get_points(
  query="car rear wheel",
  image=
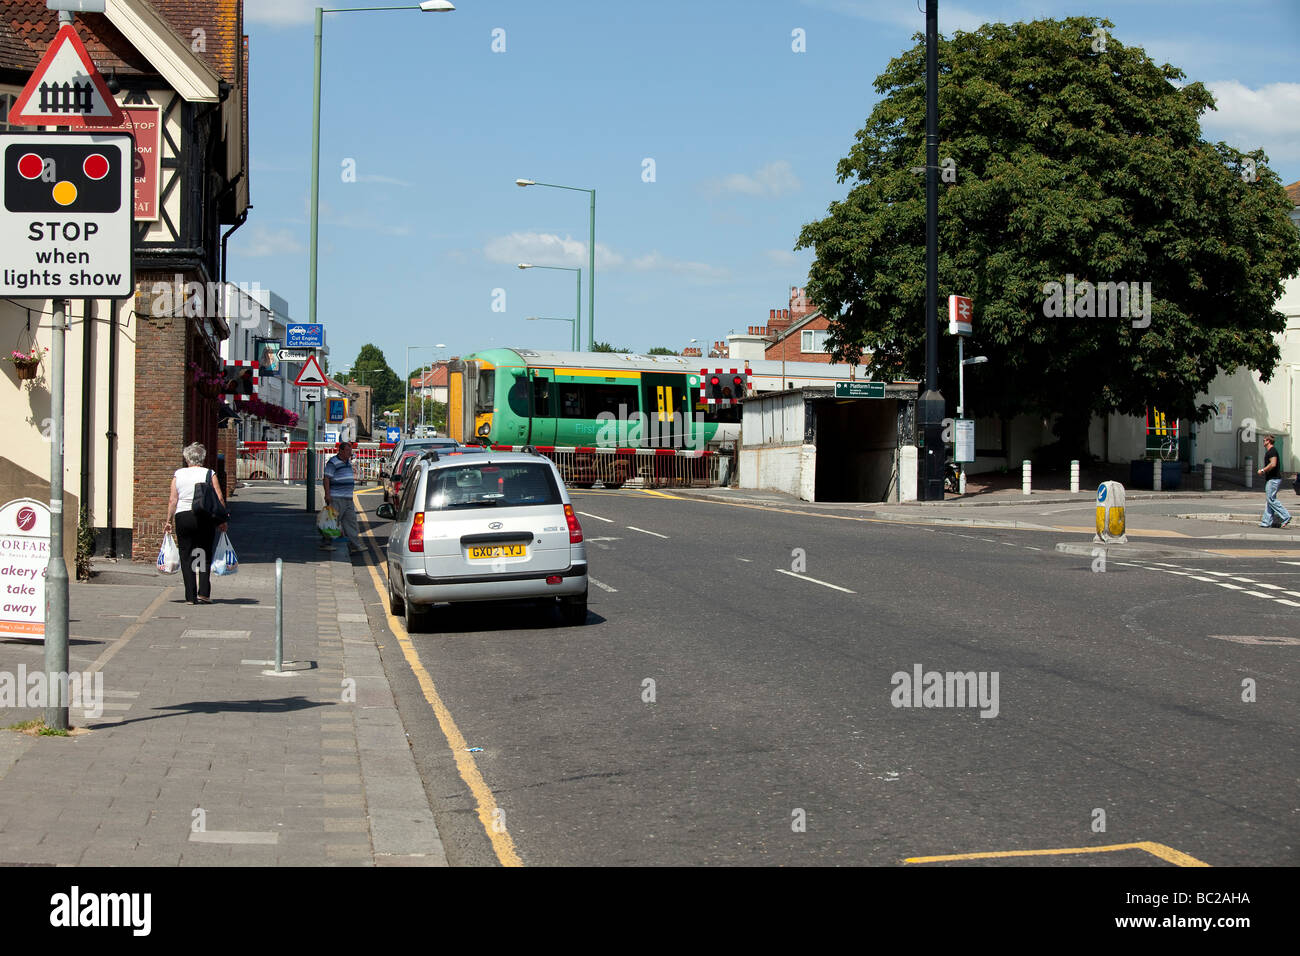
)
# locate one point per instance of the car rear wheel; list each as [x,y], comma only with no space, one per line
[416,620]
[573,611]
[395,604]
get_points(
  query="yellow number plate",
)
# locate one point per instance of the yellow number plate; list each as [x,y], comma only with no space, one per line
[498,551]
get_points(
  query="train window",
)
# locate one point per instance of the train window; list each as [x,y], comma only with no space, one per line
[590,401]
[486,397]
[517,398]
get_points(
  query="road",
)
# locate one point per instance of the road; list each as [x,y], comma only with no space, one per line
[737,697]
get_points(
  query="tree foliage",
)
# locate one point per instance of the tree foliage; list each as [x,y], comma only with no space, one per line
[1075,156]
[386,387]
[661,350]
[606,347]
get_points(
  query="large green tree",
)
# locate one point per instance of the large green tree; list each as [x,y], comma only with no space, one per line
[1076,160]
[387,387]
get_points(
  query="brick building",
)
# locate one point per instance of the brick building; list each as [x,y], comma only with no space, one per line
[797,333]
[134,393]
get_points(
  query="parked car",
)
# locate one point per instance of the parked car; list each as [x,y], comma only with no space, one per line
[389,472]
[488,527]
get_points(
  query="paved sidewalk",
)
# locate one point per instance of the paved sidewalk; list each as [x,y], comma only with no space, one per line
[200,756]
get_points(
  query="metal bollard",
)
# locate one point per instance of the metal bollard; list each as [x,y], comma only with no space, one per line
[1250,473]
[279,615]
[1157,474]
[1074,475]
[1209,475]
[1026,477]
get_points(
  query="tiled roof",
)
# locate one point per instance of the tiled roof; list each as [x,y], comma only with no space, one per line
[27,28]
[1293,193]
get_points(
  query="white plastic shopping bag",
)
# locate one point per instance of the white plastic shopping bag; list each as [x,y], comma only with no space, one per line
[169,556]
[327,522]
[224,559]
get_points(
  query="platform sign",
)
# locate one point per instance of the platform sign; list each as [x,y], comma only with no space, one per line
[304,336]
[65,215]
[859,389]
[24,557]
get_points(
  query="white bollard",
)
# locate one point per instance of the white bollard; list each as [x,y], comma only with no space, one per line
[1157,474]
[1209,475]
[1026,477]
[1074,476]
[1250,473]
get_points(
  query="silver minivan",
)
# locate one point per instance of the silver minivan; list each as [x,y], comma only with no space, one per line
[490,527]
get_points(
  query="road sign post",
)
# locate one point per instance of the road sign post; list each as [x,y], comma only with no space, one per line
[311,375]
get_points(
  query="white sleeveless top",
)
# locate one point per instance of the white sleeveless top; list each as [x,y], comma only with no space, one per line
[186,479]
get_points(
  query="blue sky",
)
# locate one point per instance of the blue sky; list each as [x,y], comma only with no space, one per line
[744,134]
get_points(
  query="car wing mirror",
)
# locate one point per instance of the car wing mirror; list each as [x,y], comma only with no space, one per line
[386,511]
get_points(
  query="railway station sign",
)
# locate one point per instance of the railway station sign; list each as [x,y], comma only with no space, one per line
[859,389]
[66,202]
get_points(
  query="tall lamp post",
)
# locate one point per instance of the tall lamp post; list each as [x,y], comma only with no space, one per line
[573,331]
[406,404]
[577,330]
[428,6]
[591,256]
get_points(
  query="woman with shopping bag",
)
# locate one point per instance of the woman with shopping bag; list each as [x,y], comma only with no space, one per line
[195,528]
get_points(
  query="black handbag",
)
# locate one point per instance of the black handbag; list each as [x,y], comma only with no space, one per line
[207,504]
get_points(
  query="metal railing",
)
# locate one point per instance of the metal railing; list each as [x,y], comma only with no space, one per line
[287,461]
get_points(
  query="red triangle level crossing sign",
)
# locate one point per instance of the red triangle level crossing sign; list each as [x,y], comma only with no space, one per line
[66,89]
[311,373]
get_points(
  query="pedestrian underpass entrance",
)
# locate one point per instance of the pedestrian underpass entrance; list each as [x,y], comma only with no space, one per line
[818,447]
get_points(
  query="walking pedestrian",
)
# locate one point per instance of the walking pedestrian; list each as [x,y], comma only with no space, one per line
[1272,473]
[194,534]
[340,481]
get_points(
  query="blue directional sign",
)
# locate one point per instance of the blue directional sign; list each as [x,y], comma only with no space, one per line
[305,337]
[394,434]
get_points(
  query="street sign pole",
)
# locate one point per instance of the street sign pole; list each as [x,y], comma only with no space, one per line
[56,574]
[311,436]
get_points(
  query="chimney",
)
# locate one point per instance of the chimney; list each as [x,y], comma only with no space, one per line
[771,314]
[785,314]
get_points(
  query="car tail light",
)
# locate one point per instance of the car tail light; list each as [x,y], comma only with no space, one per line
[553,579]
[575,529]
[415,541]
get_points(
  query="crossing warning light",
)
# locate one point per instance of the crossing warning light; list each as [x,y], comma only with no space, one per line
[58,177]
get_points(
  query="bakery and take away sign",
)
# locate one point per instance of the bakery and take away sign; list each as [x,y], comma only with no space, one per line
[24,557]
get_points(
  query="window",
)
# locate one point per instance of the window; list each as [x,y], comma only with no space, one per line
[486,397]
[507,485]
[813,340]
[590,401]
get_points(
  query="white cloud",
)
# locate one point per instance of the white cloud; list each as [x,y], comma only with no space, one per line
[1267,117]
[781,257]
[279,12]
[548,249]
[267,242]
[775,179]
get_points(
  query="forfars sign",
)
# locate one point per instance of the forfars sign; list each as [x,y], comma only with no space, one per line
[65,215]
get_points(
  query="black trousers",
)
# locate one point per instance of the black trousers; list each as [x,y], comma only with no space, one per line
[194,539]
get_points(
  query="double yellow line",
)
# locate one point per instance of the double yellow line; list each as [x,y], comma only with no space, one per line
[489,814]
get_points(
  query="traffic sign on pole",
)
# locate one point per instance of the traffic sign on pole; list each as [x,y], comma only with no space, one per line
[65,215]
[311,373]
[66,89]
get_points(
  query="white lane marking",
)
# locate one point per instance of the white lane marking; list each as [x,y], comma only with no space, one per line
[804,577]
[1271,587]
[588,514]
[1286,602]
[1198,577]
[1262,594]
[1225,584]
[746,560]
[1033,549]
[602,585]
[644,531]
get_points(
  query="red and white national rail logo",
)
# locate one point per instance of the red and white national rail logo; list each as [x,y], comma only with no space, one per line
[26,519]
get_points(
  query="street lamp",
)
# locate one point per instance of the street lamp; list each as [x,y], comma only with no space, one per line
[406,402]
[591,258]
[428,6]
[573,332]
[424,388]
[577,344]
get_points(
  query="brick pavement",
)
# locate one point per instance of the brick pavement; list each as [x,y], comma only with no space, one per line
[202,758]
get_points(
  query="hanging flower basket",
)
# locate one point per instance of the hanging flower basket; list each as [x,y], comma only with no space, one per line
[27,364]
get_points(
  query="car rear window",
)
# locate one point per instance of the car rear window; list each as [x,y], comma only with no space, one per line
[501,485]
